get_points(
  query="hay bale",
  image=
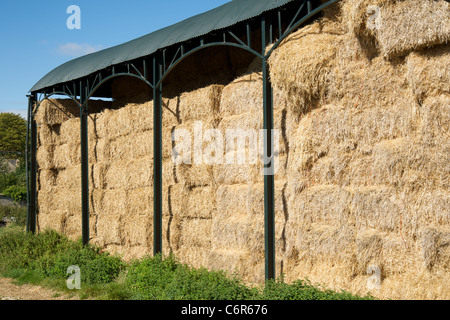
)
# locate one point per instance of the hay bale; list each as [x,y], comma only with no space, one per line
[193,247]
[56,111]
[429,72]
[49,134]
[68,200]
[47,179]
[136,230]
[358,82]
[51,220]
[434,127]
[138,202]
[200,103]
[111,202]
[197,202]
[406,164]
[399,27]
[408,25]
[245,94]
[300,67]
[238,222]
[329,143]
[195,175]
[109,230]
[129,174]
[44,156]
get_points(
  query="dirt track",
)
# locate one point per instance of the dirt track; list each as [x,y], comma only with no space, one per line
[10,291]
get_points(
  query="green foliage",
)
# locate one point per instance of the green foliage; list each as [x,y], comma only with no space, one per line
[16,178]
[18,213]
[155,278]
[44,259]
[12,132]
[49,254]
[17,193]
[302,290]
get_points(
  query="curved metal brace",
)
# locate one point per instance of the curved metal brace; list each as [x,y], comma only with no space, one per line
[59,93]
[209,45]
[299,23]
[91,93]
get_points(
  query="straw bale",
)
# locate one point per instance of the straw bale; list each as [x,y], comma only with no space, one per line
[238,221]
[44,156]
[60,200]
[245,94]
[229,174]
[66,155]
[193,246]
[200,103]
[195,175]
[331,143]
[53,220]
[403,163]
[129,174]
[114,123]
[192,203]
[216,65]
[69,178]
[110,229]
[194,257]
[238,261]
[301,65]
[49,134]
[126,147]
[435,124]
[359,82]
[72,226]
[47,179]
[429,72]
[402,26]
[173,205]
[111,202]
[408,25]
[250,121]
[136,229]
[56,111]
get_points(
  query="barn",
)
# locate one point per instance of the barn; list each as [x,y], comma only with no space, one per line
[303,138]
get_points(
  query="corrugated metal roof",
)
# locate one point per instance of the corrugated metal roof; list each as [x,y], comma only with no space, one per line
[222,17]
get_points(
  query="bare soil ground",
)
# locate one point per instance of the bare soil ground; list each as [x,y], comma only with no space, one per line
[10,291]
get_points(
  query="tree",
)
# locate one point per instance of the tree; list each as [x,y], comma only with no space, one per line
[13,130]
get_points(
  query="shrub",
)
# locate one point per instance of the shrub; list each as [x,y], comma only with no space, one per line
[18,214]
[50,254]
[17,193]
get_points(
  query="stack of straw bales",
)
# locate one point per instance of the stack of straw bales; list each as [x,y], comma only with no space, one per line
[369,142]
[363,109]
[59,163]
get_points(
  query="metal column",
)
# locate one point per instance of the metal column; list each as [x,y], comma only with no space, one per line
[84,165]
[32,170]
[269,189]
[157,157]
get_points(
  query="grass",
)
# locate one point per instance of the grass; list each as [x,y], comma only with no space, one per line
[43,260]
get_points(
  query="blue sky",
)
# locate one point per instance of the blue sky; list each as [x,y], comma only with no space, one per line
[34,38]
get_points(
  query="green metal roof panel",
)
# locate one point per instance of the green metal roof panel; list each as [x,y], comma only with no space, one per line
[224,16]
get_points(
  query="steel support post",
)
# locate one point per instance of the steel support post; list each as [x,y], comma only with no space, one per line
[84,165]
[157,157]
[32,173]
[269,192]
